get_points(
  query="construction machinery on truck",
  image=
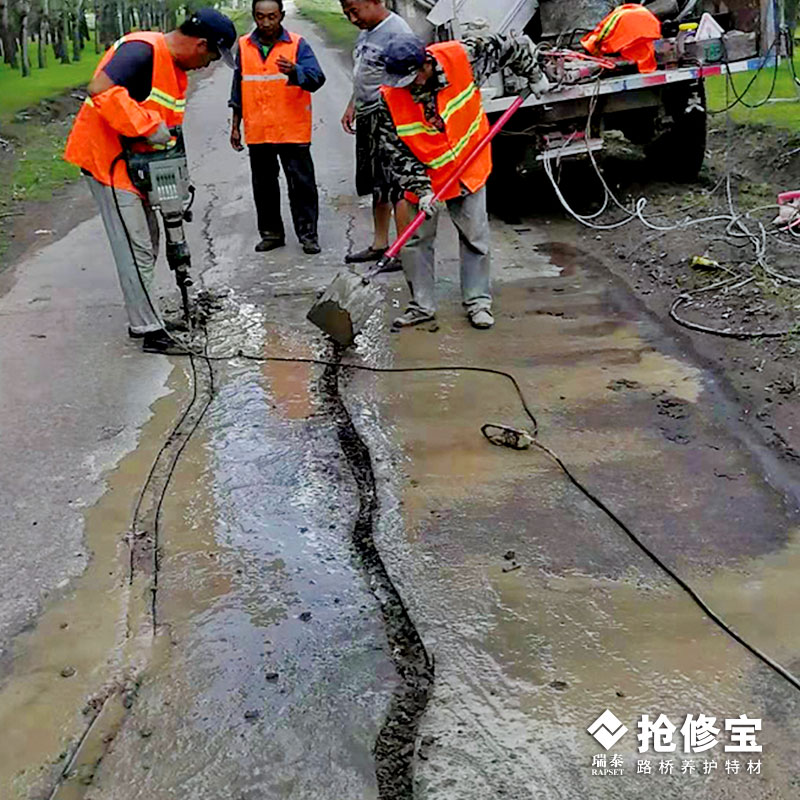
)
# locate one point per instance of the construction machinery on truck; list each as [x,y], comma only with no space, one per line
[662,110]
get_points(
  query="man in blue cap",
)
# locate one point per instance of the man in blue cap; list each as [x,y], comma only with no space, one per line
[138,91]
[431,120]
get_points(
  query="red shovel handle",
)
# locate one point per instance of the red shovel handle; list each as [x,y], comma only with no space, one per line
[401,240]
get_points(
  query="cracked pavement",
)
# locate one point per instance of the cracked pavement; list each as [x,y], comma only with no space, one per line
[271,674]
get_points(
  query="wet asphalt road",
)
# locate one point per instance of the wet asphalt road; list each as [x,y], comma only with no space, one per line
[271,674]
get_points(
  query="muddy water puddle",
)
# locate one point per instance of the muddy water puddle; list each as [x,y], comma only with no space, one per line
[268,645]
[539,612]
[276,652]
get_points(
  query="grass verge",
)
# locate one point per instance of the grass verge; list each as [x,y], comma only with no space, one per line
[328,15]
[19,93]
[34,129]
[754,88]
[31,167]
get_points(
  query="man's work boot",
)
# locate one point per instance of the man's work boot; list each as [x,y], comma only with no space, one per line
[367,254]
[482,318]
[412,316]
[269,243]
[164,344]
[311,247]
[169,325]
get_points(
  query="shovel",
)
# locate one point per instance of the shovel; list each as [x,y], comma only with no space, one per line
[344,307]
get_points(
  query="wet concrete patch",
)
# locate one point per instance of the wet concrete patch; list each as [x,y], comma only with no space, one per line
[527,658]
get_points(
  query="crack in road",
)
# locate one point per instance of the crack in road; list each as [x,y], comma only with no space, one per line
[394,747]
[211,261]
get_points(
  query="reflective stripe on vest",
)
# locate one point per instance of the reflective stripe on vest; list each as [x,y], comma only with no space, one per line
[459,105]
[608,25]
[273,110]
[451,107]
[628,30]
[280,77]
[94,145]
[158,94]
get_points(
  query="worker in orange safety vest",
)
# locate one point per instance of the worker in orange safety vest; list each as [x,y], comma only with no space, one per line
[276,72]
[630,30]
[431,121]
[139,91]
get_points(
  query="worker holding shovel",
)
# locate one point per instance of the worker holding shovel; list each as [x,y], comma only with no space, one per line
[431,120]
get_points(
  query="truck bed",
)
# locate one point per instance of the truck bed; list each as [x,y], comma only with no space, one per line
[626,83]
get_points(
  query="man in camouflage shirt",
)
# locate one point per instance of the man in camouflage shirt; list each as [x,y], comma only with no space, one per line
[487,55]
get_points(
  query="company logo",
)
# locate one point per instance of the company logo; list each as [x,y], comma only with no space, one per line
[607,729]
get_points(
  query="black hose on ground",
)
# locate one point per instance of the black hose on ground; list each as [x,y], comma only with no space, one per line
[596,501]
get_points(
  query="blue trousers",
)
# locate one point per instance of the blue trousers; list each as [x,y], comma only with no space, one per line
[298,169]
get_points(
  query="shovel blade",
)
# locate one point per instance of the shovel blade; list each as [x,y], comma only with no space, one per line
[344,307]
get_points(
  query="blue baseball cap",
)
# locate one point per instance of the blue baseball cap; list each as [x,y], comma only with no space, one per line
[402,58]
[217,29]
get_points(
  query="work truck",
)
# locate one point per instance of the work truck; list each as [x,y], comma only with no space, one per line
[663,111]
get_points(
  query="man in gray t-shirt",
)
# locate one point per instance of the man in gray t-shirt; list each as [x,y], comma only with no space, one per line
[378,26]
[368,70]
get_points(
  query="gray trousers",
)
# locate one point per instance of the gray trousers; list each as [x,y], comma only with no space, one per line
[468,213]
[142,226]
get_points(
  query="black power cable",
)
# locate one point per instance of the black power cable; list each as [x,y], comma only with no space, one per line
[191,354]
[729,84]
[596,501]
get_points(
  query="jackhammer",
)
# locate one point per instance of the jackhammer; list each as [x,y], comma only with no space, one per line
[161,174]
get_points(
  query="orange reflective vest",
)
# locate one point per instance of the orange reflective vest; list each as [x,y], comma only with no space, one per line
[272,110]
[94,141]
[628,30]
[465,123]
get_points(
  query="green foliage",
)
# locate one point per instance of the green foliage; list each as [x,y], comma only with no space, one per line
[35,169]
[18,92]
[781,114]
[38,168]
[241,17]
[328,15]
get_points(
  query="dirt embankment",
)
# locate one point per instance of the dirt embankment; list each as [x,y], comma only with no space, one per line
[728,291]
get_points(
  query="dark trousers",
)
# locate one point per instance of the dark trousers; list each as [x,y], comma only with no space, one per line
[298,169]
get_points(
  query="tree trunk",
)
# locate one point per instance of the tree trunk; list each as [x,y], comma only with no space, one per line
[25,62]
[108,23]
[65,35]
[43,39]
[76,33]
[96,9]
[791,15]
[9,40]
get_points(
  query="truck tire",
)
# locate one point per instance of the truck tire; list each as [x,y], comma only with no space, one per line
[677,153]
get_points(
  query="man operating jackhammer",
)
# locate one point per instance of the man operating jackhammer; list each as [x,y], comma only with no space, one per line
[139,91]
[276,71]
[431,119]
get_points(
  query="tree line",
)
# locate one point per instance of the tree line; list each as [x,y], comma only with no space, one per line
[72,25]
